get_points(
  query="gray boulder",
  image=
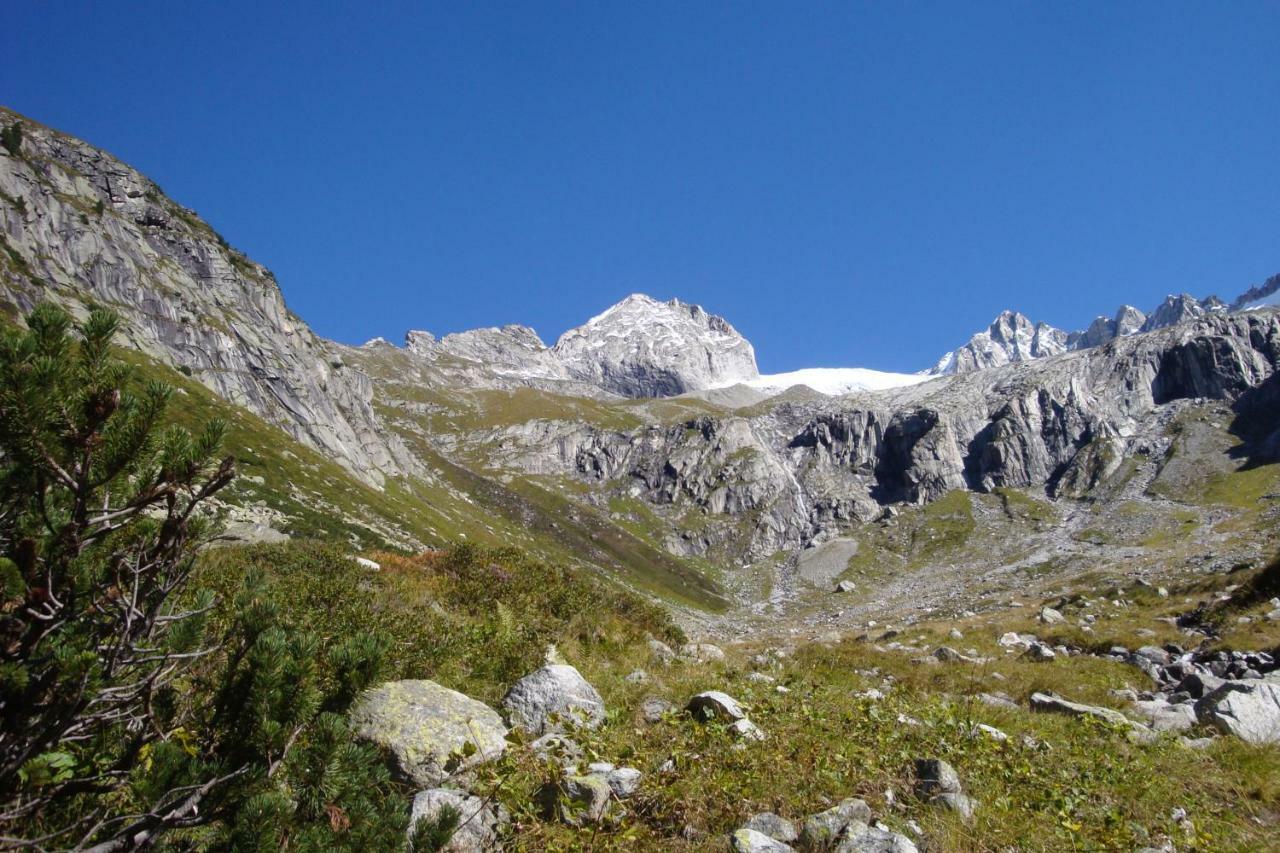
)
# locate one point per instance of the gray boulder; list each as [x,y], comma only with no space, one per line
[752,841]
[960,803]
[431,731]
[776,827]
[1049,616]
[654,708]
[821,831]
[1250,710]
[713,705]
[480,824]
[701,652]
[548,698]
[858,837]
[935,776]
[575,800]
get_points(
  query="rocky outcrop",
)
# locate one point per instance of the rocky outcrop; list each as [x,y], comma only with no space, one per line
[80,228]
[645,348]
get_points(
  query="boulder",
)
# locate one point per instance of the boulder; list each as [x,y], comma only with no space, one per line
[480,823]
[546,699]
[1250,710]
[557,747]
[713,704]
[822,830]
[961,804]
[858,837]
[746,730]
[1056,704]
[846,586]
[637,677]
[935,776]
[701,652]
[623,781]
[1039,653]
[776,827]
[1049,616]
[575,800]
[431,731]
[752,841]
[661,652]
[653,708]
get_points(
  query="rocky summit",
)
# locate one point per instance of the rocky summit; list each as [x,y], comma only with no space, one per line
[830,609]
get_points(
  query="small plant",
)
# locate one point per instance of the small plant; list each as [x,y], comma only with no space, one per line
[11,139]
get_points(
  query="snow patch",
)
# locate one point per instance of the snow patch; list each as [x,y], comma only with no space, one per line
[833,381]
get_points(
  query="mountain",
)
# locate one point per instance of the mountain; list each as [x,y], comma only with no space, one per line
[1013,338]
[1010,338]
[638,348]
[645,348]
[646,445]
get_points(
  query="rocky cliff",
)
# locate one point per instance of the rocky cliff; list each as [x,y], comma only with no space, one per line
[82,228]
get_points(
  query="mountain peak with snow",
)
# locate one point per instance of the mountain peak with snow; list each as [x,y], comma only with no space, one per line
[642,347]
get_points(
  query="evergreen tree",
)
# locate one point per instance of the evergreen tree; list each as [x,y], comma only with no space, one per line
[134,710]
[11,138]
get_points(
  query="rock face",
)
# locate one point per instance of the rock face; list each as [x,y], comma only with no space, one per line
[552,697]
[427,727]
[645,348]
[804,468]
[1250,710]
[90,228]
[480,824]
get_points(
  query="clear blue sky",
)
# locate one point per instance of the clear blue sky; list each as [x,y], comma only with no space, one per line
[849,183]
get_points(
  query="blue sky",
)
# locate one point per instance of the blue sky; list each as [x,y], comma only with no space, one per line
[851,184]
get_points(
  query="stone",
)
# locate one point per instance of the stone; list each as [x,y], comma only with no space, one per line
[480,823]
[822,830]
[745,730]
[661,652]
[1166,717]
[846,586]
[1039,653]
[961,804]
[701,652]
[955,634]
[1049,616]
[366,563]
[622,781]
[747,840]
[713,704]
[984,730]
[858,837]
[557,747]
[935,776]
[998,700]
[760,678]
[548,698]
[432,732]
[637,677]
[1013,640]
[1250,710]
[777,828]
[1048,702]
[575,800]
[654,708]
